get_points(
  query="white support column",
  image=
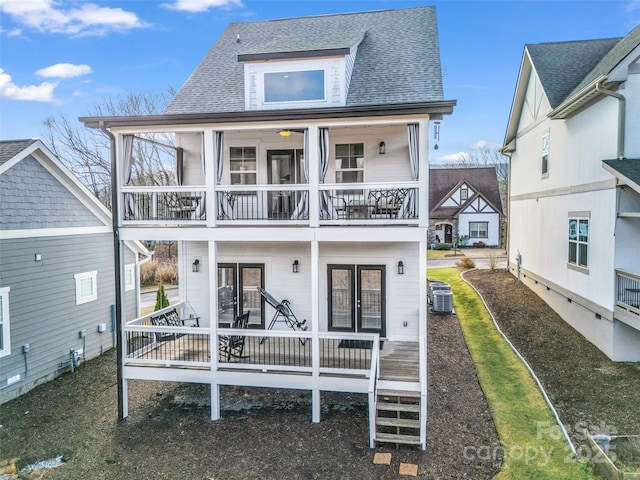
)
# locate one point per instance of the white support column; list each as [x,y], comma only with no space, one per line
[210,172]
[213,328]
[314,176]
[422,285]
[315,327]
[125,398]
[423,155]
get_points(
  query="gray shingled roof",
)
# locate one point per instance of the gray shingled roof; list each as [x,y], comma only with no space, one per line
[612,58]
[10,148]
[562,66]
[442,180]
[398,61]
[628,168]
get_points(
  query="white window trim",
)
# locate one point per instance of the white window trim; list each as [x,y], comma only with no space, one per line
[576,265]
[246,172]
[544,156]
[79,277]
[479,223]
[324,71]
[6,330]
[129,277]
[354,169]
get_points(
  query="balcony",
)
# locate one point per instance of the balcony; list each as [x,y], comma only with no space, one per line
[628,298]
[338,204]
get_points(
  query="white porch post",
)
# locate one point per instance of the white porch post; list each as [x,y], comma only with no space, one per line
[213,328]
[314,176]
[423,162]
[315,328]
[125,398]
[209,175]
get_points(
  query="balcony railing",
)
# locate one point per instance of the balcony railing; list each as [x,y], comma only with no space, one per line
[628,292]
[164,204]
[276,204]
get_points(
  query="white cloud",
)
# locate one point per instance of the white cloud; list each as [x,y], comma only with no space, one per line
[35,93]
[88,19]
[64,70]
[202,5]
[484,145]
[453,157]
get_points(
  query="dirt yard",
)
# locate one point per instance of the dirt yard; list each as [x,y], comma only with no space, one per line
[267,434]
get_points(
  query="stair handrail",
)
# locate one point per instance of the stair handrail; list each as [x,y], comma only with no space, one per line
[374,373]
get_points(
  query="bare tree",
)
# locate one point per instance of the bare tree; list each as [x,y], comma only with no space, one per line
[86,151]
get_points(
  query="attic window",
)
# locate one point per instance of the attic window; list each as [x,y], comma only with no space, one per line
[464,193]
[294,86]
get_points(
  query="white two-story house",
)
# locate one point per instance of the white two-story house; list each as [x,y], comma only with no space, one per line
[301,152]
[574,215]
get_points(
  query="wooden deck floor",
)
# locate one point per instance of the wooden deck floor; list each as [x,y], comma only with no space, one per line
[399,361]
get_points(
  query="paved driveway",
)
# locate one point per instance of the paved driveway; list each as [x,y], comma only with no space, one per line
[483,257]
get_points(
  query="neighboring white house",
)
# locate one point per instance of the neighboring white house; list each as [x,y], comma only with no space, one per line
[574,215]
[302,166]
[57,291]
[465,202]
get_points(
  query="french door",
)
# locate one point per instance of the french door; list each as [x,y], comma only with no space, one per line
[284,167]
[238,293]
[357,298]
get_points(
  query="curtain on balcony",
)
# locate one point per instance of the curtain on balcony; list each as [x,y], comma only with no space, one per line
[327,210]
[225,199]
[410,204]
[130,209]
[302,208]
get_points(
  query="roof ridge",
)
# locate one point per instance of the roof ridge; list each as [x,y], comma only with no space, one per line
[575,41]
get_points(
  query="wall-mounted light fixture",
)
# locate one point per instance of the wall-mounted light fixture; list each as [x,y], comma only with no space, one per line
[382,148]
[296,266]
[285,133]
[400,267]
[196,265]
[38,257]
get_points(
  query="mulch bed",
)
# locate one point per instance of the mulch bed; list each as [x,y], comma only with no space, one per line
[587,389]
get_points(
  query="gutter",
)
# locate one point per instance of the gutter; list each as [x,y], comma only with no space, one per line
[622,107]
[115,207]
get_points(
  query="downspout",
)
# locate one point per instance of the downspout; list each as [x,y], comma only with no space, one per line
[115,204]
[622,102]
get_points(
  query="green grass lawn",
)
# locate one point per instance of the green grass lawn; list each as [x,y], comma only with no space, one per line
[437,254]
[532,446]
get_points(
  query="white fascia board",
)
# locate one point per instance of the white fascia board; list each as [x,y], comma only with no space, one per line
[620,71]
[52,232]
[586,94]
[526,66]
[621,178]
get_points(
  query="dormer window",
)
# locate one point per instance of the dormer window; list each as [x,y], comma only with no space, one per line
[294,86]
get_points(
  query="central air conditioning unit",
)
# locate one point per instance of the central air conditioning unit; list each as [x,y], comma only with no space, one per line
[438,287]
[442,301]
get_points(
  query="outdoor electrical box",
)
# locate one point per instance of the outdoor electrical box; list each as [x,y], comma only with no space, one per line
[102,328]
[25,348]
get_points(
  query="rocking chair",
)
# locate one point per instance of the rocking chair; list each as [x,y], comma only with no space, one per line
[233,345]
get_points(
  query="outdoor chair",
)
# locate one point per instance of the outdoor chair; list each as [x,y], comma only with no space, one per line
[233,345]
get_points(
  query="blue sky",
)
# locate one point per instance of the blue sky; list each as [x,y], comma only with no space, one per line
[62,56]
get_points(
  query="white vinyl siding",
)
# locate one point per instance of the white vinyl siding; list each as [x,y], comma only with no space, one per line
[86,287]
[5,340]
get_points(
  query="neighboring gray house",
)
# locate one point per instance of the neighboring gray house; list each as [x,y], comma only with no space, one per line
[465,201]
[56,269]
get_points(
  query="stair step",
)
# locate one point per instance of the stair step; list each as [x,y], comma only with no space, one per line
[397,422]
[398,407]
[393,438]
[398,393]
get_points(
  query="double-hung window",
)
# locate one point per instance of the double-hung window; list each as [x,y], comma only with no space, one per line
[350,163]
[578,241]
[464,193]
[5,340]
[545,155]
[243,165]
[129,277]
[478,229]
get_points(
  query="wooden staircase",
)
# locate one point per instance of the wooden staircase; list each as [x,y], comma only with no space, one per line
[398,417]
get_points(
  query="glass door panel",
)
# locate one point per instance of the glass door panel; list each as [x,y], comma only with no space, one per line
[281,171]
[227,294]
[371,299]
[252,277]
[341,297]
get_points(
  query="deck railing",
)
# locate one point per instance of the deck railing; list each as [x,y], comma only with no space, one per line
[628,291]
[288,203]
